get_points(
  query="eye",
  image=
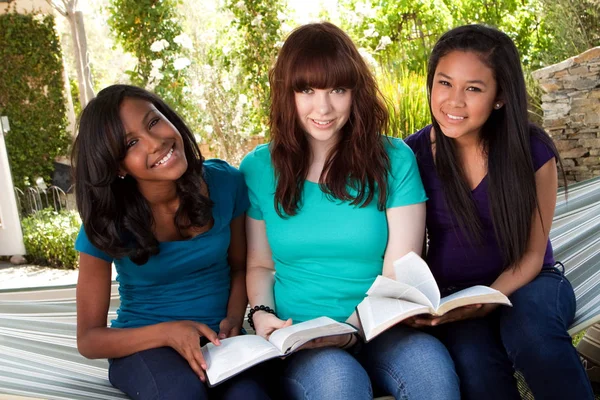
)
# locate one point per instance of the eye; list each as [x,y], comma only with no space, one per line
[473,89]
[339,91]
[153,122]
[130,143]
[307,91]
[444,83]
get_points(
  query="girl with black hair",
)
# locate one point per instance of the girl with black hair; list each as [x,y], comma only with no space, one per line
[173,224]
[491,180]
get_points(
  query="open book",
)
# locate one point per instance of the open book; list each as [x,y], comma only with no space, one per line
[239,353]
[414,292]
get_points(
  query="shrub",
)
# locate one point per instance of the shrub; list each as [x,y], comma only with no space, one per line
[49,237]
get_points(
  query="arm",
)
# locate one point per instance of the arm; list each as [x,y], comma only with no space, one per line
[96,340]
[406,230]
[236,307]
[530,265]
[260,278]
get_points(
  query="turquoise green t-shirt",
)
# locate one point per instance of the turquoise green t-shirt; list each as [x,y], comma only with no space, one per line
[327,255]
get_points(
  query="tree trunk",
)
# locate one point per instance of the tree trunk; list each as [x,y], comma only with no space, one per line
[82,64]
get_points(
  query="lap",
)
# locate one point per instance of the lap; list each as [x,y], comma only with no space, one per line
[162,373]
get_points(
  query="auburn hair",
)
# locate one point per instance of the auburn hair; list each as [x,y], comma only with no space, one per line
[322,56]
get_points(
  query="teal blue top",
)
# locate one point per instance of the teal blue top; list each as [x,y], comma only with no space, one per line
[327,255]
[188,279]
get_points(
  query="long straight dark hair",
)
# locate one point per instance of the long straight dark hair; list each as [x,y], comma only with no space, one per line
[116,217]
[322,56]
[505,137]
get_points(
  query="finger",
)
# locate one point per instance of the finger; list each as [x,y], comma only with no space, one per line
[208,333]
[197,368]
[224,330]
[235,331]
[286,323]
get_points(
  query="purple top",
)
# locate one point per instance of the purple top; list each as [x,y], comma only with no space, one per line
[455,261]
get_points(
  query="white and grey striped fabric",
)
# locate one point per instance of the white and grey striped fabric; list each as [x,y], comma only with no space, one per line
[38,352]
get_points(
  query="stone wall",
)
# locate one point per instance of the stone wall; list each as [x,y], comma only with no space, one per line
[571,106]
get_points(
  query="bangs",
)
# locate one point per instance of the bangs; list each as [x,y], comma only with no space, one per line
[323,70]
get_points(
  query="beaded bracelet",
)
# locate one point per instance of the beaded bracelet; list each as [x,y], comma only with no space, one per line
[258,308]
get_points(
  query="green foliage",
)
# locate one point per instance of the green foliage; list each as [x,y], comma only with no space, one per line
[572,27]
[405,92]
[150,30]
[31,95]
[258,31]
[49,238]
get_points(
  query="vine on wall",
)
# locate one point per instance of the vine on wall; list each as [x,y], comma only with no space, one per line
[31,95]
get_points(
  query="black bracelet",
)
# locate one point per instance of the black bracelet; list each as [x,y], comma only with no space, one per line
[258,308]
[348,342]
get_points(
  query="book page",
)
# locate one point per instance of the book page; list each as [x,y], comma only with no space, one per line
[289,339]
[414,271]
[379,313]
[386,287]
[473,295]
[234,355]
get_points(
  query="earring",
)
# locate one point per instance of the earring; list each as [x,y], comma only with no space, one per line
[497,106]
[121,176]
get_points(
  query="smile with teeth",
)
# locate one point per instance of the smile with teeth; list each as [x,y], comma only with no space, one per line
[455,117]
[321,122]
[164,159]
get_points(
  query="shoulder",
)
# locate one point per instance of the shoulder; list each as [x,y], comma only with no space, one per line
[397,149]
[217,166]
[222,174]
[419,139]
[256,160]
[541,145]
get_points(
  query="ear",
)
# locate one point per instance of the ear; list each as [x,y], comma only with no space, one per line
[498,104]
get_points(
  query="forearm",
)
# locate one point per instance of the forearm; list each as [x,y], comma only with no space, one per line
[260,281]
[104,342]
[519,275]
[238,300]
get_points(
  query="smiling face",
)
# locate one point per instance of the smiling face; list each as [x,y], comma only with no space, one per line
[155,150]
[323,113]
[463,95]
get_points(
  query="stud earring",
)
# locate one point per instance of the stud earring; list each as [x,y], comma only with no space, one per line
[121,176]
[497,106]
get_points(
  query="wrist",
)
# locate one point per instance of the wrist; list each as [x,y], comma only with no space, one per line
[260,309]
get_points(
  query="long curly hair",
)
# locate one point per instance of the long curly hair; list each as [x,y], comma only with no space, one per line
[116,217]
[321,56]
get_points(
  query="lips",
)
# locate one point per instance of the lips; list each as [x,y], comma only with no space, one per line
[164,158]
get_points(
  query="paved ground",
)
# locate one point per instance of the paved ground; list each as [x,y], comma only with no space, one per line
[18,276]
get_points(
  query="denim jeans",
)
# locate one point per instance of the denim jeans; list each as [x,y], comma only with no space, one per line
[163,374]
[403,362]
[531,337]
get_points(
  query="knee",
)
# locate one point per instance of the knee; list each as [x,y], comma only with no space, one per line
[327,373]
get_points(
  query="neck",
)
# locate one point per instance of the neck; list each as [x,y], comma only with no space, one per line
[160,194]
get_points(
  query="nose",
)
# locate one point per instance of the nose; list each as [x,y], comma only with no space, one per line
[155,143]
[457,97]
[323,103]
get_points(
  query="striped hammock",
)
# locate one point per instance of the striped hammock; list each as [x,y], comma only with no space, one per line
[38,351]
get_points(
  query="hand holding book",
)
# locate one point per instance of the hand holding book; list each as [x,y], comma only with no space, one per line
[415,292]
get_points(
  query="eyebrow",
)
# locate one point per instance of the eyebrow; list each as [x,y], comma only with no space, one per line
[471,81]
[127,134]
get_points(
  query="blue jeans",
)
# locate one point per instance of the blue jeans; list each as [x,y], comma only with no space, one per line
[530,337]
[163,374]
[403,362]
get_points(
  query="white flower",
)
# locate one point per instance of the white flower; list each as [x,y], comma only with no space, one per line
[384,42]
[208,129]
[240,4]
[243,99]
[184,41]
[181,63]
[371,32]
[367,56]
[227,85]
[159,45]
[158,63]
[226,49]
[257,20]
